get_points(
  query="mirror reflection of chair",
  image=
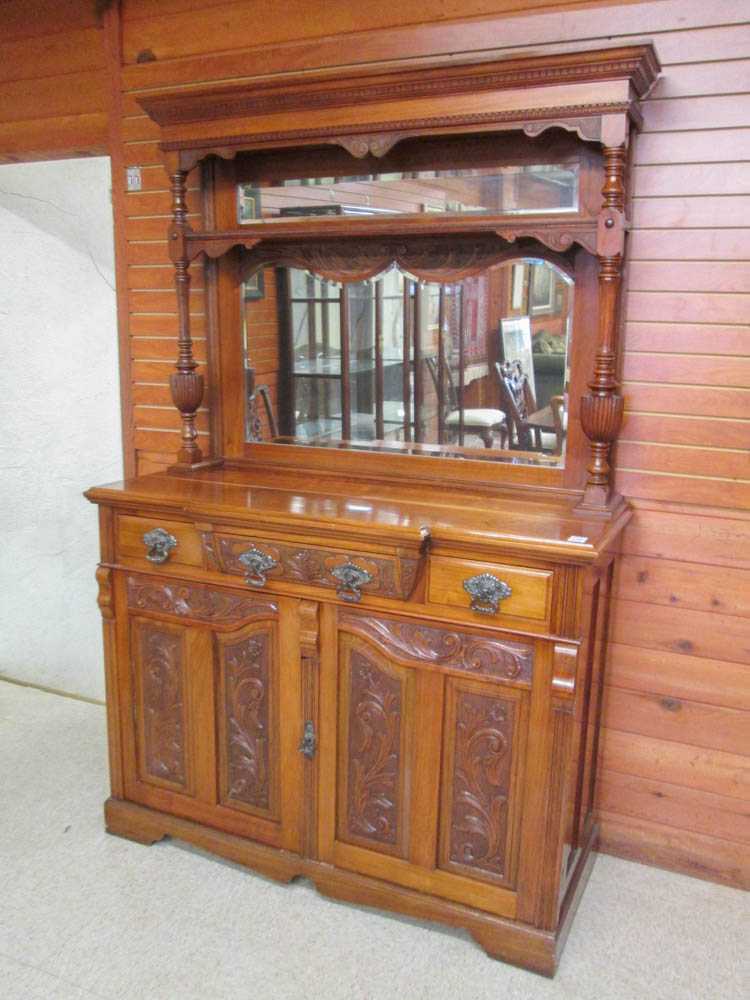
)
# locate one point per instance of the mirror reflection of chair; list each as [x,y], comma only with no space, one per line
[530,429]
[484,422]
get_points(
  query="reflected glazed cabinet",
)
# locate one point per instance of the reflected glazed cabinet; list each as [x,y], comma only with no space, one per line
[375,660]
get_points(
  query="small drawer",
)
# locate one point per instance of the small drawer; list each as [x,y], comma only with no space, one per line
[351,574]
[488,590]
[158,541]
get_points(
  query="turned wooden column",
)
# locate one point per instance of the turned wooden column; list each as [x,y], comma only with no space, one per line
[602,407]
[185,383]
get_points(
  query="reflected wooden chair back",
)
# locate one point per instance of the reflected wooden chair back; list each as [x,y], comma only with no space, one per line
[484,422]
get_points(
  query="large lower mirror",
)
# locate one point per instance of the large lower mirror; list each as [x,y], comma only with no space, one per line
[476,368]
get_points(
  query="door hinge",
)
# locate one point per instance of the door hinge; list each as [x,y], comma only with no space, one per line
[307,746]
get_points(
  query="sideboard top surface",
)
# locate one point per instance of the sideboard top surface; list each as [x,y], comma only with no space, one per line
[395,512]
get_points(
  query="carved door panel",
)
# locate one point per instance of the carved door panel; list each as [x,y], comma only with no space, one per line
[216,712]
[422,744]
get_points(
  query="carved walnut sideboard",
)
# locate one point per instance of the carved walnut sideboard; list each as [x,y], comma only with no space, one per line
[361,640]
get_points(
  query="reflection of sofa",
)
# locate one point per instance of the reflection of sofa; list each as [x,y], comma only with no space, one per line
[549,376]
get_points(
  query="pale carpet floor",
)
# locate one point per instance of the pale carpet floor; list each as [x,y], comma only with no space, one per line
[84,914]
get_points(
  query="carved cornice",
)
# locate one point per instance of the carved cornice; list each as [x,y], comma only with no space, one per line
[326,90]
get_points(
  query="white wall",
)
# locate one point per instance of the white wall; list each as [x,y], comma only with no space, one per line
[59,416]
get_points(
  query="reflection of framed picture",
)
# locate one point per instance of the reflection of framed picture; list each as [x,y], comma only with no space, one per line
[249,204]
[516,343]
[542,289]
[518,284]
[253,287]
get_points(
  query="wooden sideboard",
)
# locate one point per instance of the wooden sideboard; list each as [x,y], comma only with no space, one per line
[370,658]
[386,740]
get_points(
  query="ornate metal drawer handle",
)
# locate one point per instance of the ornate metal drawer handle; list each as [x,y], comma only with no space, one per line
[486,591]
[351,579]
[159,544]
[257,564]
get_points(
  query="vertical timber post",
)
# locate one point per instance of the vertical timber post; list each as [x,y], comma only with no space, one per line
[185,383]
[602,407]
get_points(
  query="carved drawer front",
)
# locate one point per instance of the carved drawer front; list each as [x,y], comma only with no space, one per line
[482,735]
[487,592]
[351,574]
[158,541]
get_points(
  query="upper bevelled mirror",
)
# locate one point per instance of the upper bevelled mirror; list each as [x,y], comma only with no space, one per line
[524,189]
[474,368]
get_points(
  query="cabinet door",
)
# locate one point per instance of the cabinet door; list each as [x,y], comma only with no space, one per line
[216,716]
[422,745]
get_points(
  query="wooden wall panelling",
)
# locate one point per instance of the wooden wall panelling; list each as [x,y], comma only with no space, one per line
[54,81]
[678,691]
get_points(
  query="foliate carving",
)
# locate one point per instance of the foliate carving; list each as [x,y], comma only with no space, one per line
[390,577]
[558,239]
[369,145]
[162,692]
[488,657]
[246,666]
[427,257]
[196,601]
[373,753]
[481,782]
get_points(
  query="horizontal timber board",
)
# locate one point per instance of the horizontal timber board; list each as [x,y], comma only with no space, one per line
[50,138]
[656,428]
[164,441]
[708,770]
[55,96]
[689,179]
[681,630]
[718,589]
[696,538]
[24,19]
[690,400]
[163,349]
[171,36]
[690,338]
[674,675]
[724,111]
[674,805]
[691,276]
[703,79]
[696,146]
[678,720]
[587,29]
[160,278]
[51,55]
[699,855]
[165,418]
[690,307]
[698,212]
[688,369]
[164,325]
[684,460]
[695,244]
